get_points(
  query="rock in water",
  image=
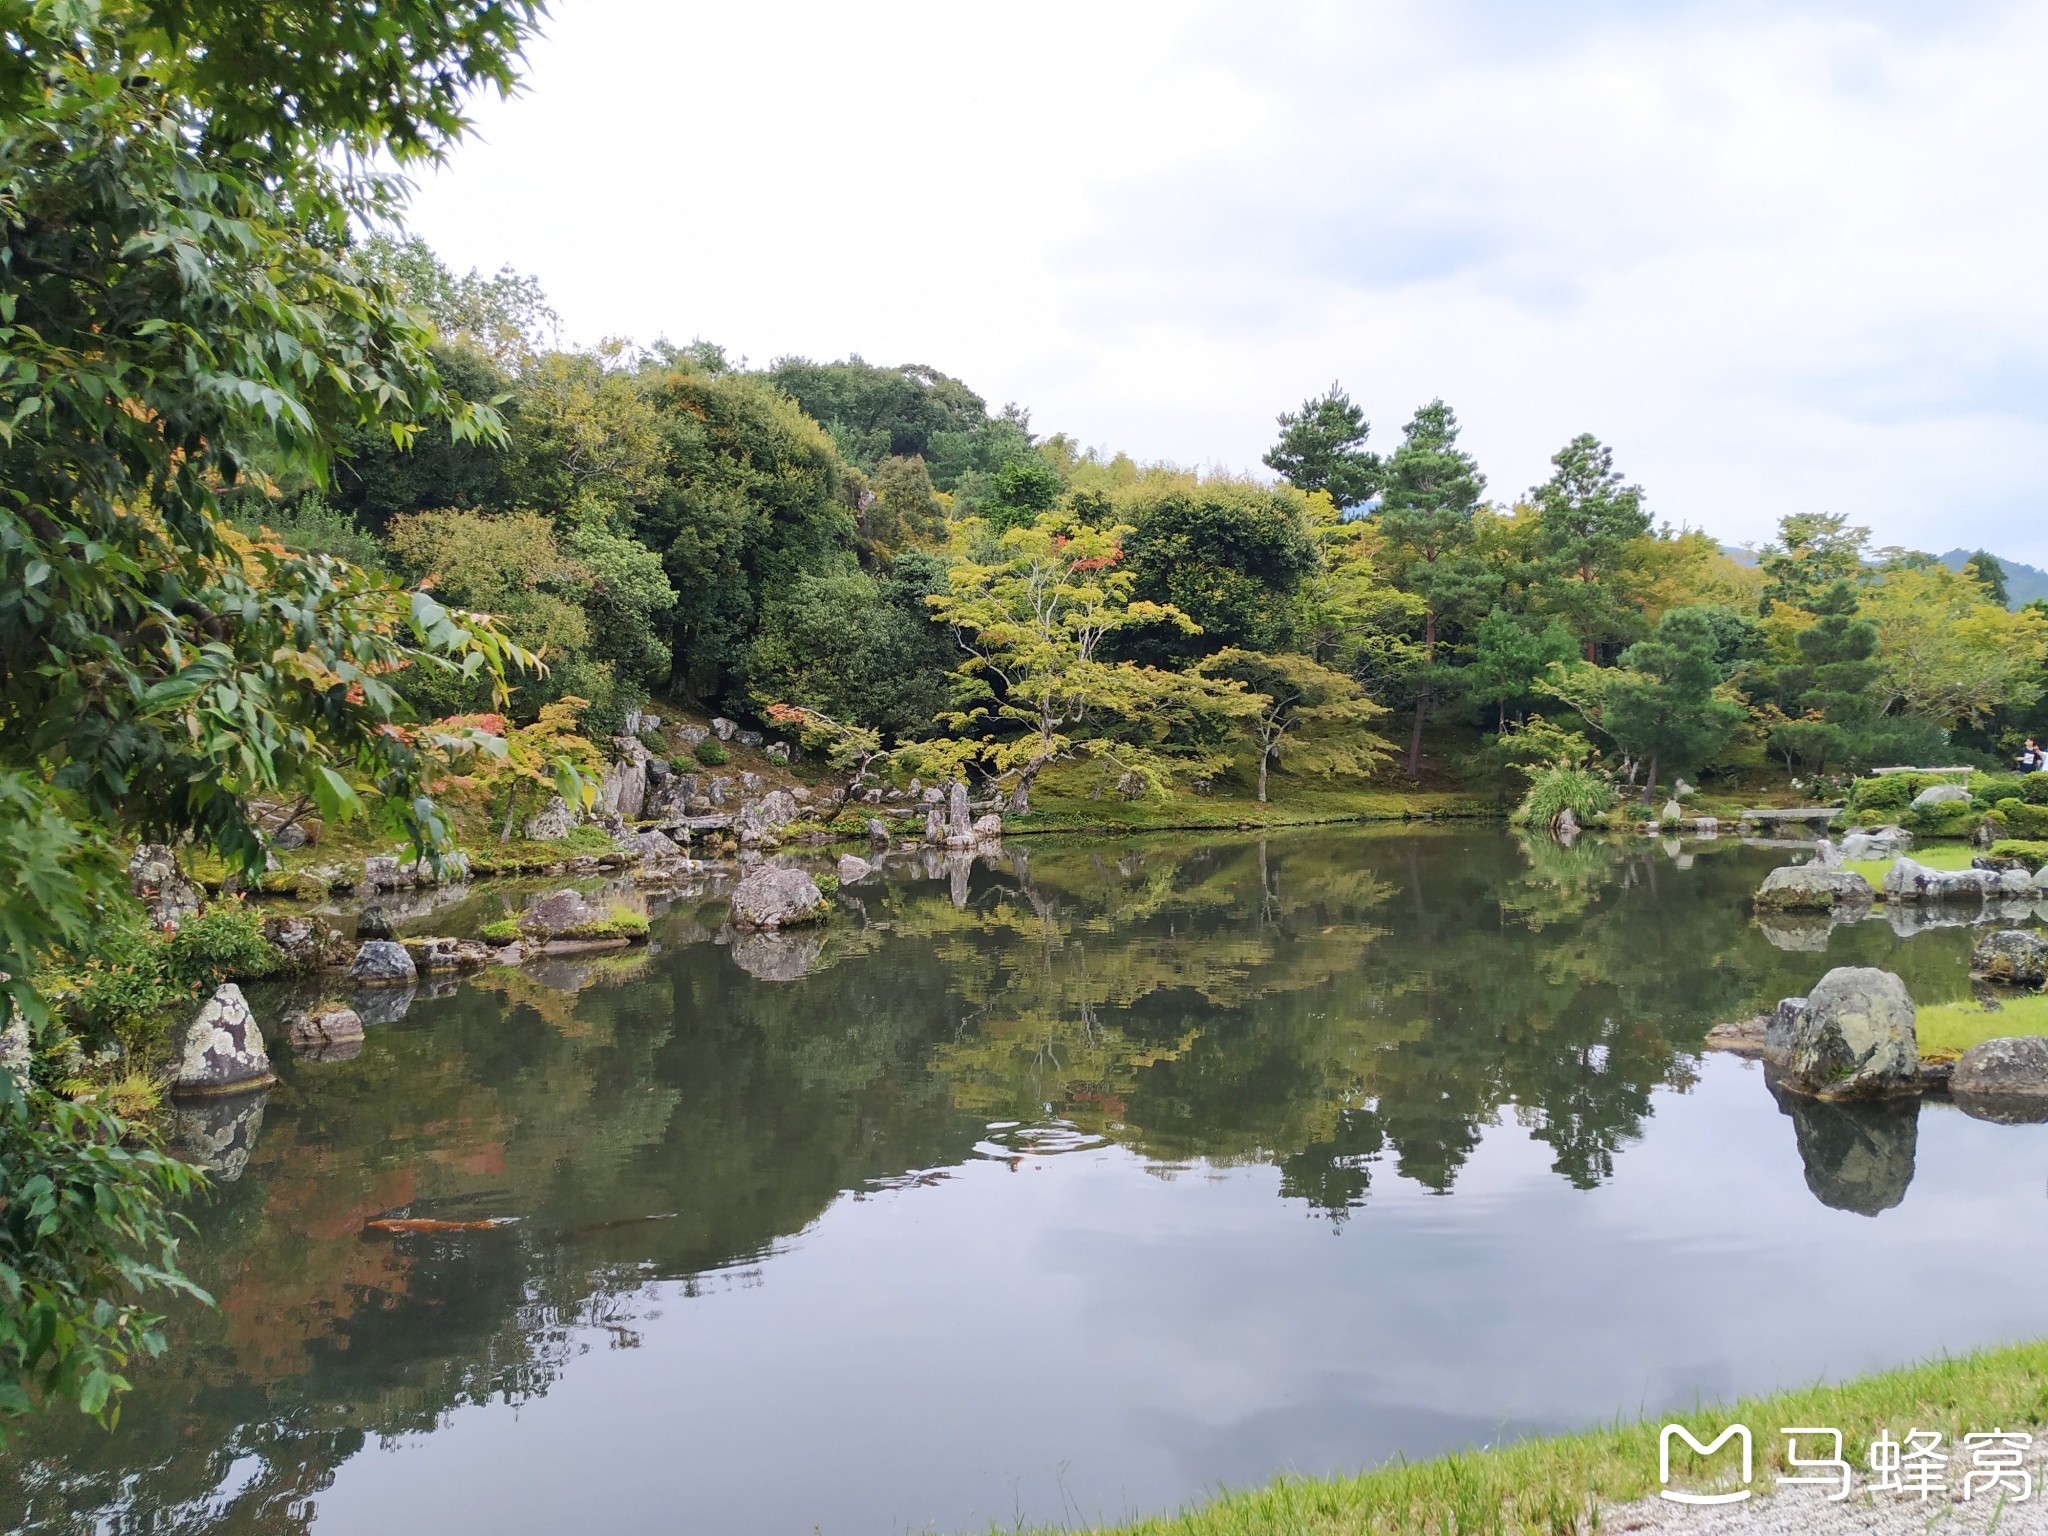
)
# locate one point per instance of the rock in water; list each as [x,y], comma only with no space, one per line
[223,1050]
[1672,811]
[653,850]
[557,912]
[768,955]
[306,943]
[1908,881]
[934,826]
[1854,1039]
[373,923]
[878,830]
[2004,1069]
[1813,888]
[382,961]
[853,869]
[326,1032]
[2014,956]
[770,896]
[1939,794]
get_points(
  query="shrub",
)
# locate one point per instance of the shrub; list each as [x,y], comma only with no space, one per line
[828,885]
[2022,819]
[711,753]
[2034,788]
[652,741]
[2029,852]
[1952,818]
[223,943]
[1561,787]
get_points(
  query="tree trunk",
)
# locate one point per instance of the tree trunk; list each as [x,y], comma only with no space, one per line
[511,807]
[1265,756]
[1019,802]
[1415,737]
[1650,781]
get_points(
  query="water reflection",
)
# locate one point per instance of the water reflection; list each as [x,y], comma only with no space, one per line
[1355,1012]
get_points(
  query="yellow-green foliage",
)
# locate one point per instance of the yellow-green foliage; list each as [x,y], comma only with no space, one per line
[1542,1487]
[1946,1030]
[2031,853]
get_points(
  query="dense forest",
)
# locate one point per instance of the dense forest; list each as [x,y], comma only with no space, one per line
[878,548]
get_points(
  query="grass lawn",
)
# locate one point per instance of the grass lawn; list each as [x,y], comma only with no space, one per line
[1549,1486]
[1295,805]
[1941,856]
[1946,1030]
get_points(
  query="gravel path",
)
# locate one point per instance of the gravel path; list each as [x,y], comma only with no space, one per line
[1803,1512]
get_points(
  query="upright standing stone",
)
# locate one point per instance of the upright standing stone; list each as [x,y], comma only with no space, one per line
[1854,1039]
[223,1050]
[959,821]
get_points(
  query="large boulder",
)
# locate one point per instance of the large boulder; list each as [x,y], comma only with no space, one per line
[655,852]
[669,800]
[1939,794]
[1780,1028]
[326,1032]
[1910,881]
[156,880]
[222,1051]
[551,823]
[557,912]
[761,821]
[306,943]
[723,728]
[444,954]
[1812,888]
[2004,1069]
[771,896]
[622,789]
[1878,843]
[988,829]
[2016,956]
[1853,1039]
[382,962]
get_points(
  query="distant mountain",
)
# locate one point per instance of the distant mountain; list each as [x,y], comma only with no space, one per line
[2023,583]
[1741,554]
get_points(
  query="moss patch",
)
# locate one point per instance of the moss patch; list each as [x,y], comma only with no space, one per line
[1946,1030]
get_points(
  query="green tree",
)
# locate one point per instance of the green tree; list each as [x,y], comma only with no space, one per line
[1022,490]
[1034,688]
[1662,705]
[1814,551]
[1587,518]
[851,648]
[586,439]
[902,509]
[1322,448]
[505,317]
[1984,568]
[1322,716]
[1508,655]
[1231,556]
[753,495]
[876,413]
[176,196]
[1428,498]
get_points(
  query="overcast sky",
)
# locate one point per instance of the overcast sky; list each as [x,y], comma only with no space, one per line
[1783,256]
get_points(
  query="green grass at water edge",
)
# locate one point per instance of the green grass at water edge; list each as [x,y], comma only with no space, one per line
[1946,1030]
[1942,856]
[1551,1486]
[1052,811]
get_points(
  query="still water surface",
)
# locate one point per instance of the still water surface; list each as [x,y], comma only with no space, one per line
[1054,1189]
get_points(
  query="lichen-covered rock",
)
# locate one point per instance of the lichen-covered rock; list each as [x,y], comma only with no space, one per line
[444,954]
[218,1133]
[959,820]
[2016,956]
[653,850]
[1910,881]
[853,869]
[988,829]
[1779,1028]
[622,788]
[1853,1039]
[222,1051]
[156,880]
[373,922]
[771,896]
[761,821]
[2016,1068]
[557,912]
[1812,888]
[778,752]
[382,962]
[551,823]
[934,826]
[723,728]
[752,783]
[326,1032]
[306,943]
[381,873]
[751,739]
[1940,794]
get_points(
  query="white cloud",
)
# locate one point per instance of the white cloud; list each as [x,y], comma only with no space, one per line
[1783,257]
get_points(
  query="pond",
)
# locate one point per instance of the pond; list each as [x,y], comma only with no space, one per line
[1055,1187]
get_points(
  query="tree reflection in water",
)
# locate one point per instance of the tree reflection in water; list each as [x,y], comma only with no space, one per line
[1338,1004]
